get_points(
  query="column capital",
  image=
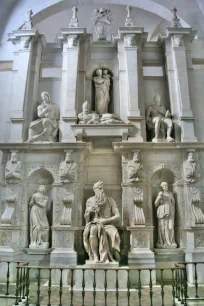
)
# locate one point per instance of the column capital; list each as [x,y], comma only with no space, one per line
[23,37]
[70,35]
[131,35]
[187,34]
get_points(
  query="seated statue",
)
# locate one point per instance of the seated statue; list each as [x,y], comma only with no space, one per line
[87,116]
[13,168]
[159,119]
[39,226]
[67,170]
[45,128]
[101,238]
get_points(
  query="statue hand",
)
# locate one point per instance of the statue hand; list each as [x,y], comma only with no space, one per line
[101,220]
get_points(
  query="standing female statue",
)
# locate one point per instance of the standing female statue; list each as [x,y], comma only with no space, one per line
[102,88]
[39,226]
[165,204]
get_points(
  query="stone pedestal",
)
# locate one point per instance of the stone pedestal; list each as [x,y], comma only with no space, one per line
[195,252]
[140,255]
[165,258]
[100,276]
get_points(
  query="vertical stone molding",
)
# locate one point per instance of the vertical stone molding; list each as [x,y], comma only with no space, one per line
[176,43]
[23,40]
[70,39]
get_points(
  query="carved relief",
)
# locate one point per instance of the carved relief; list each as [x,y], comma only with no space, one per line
[130,40]
[5,238]
[72,40]
[199,240]
[191,169]
[13,169]
[63,239]
[134,168]
[67,169]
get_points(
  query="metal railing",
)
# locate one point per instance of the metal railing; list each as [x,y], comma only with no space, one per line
[10,282]
[34,288]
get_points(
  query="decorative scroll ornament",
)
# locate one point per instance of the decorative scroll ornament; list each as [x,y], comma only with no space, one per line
[196,210]
[138,209]
[102,19]
[175,20]
[74,23]
[177,40]
[129,21]
[66,215]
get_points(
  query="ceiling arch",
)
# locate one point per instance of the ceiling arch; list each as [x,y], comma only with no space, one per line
[46,8]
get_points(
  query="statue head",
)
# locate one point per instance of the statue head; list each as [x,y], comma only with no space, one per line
[164,186]
[68,157]
[98,186]
[191,156]
[157,99]
[105,71]
[136,157]
[99,72]
[41,189]
[45,96]
[85,107]
[14,157]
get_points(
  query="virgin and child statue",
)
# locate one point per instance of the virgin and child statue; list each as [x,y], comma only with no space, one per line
[102,82]
[101,237]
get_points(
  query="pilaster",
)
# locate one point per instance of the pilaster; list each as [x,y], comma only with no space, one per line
[70,38]
[23,39]
[176,42]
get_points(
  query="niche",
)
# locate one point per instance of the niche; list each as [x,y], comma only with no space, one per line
[159,176]
[41,177]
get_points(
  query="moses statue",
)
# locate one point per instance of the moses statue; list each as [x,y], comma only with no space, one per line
[101,238]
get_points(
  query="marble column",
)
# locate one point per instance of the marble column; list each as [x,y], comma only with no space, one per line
[23,40]
[71,38]
[178,63]
[131,61]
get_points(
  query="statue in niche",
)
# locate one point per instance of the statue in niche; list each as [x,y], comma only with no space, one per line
[102,91]
[87,116]
[159,119]
[39,226]
[101,238]
[45,128]
[67,169]
[134,168]
[191,169]
[165,204]
[28,24]
[13,168]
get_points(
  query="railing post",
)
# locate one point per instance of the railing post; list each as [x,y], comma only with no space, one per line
[49,287]
[94,287]
[173,286]
[7,280]
[105,287]
[196,281]
[162,287]
[83,286]
[38,290]
[116,288]
[61,286]
[17,283]
[150,288]
[185,286]
[139,288]
[128,287]
[72,285]
[27,286]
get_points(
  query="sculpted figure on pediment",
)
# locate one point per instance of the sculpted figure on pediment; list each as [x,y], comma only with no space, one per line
[46,127]
[87,116]
[101,238]
[159,119]
[67,169]
[13,168]
[191,169]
